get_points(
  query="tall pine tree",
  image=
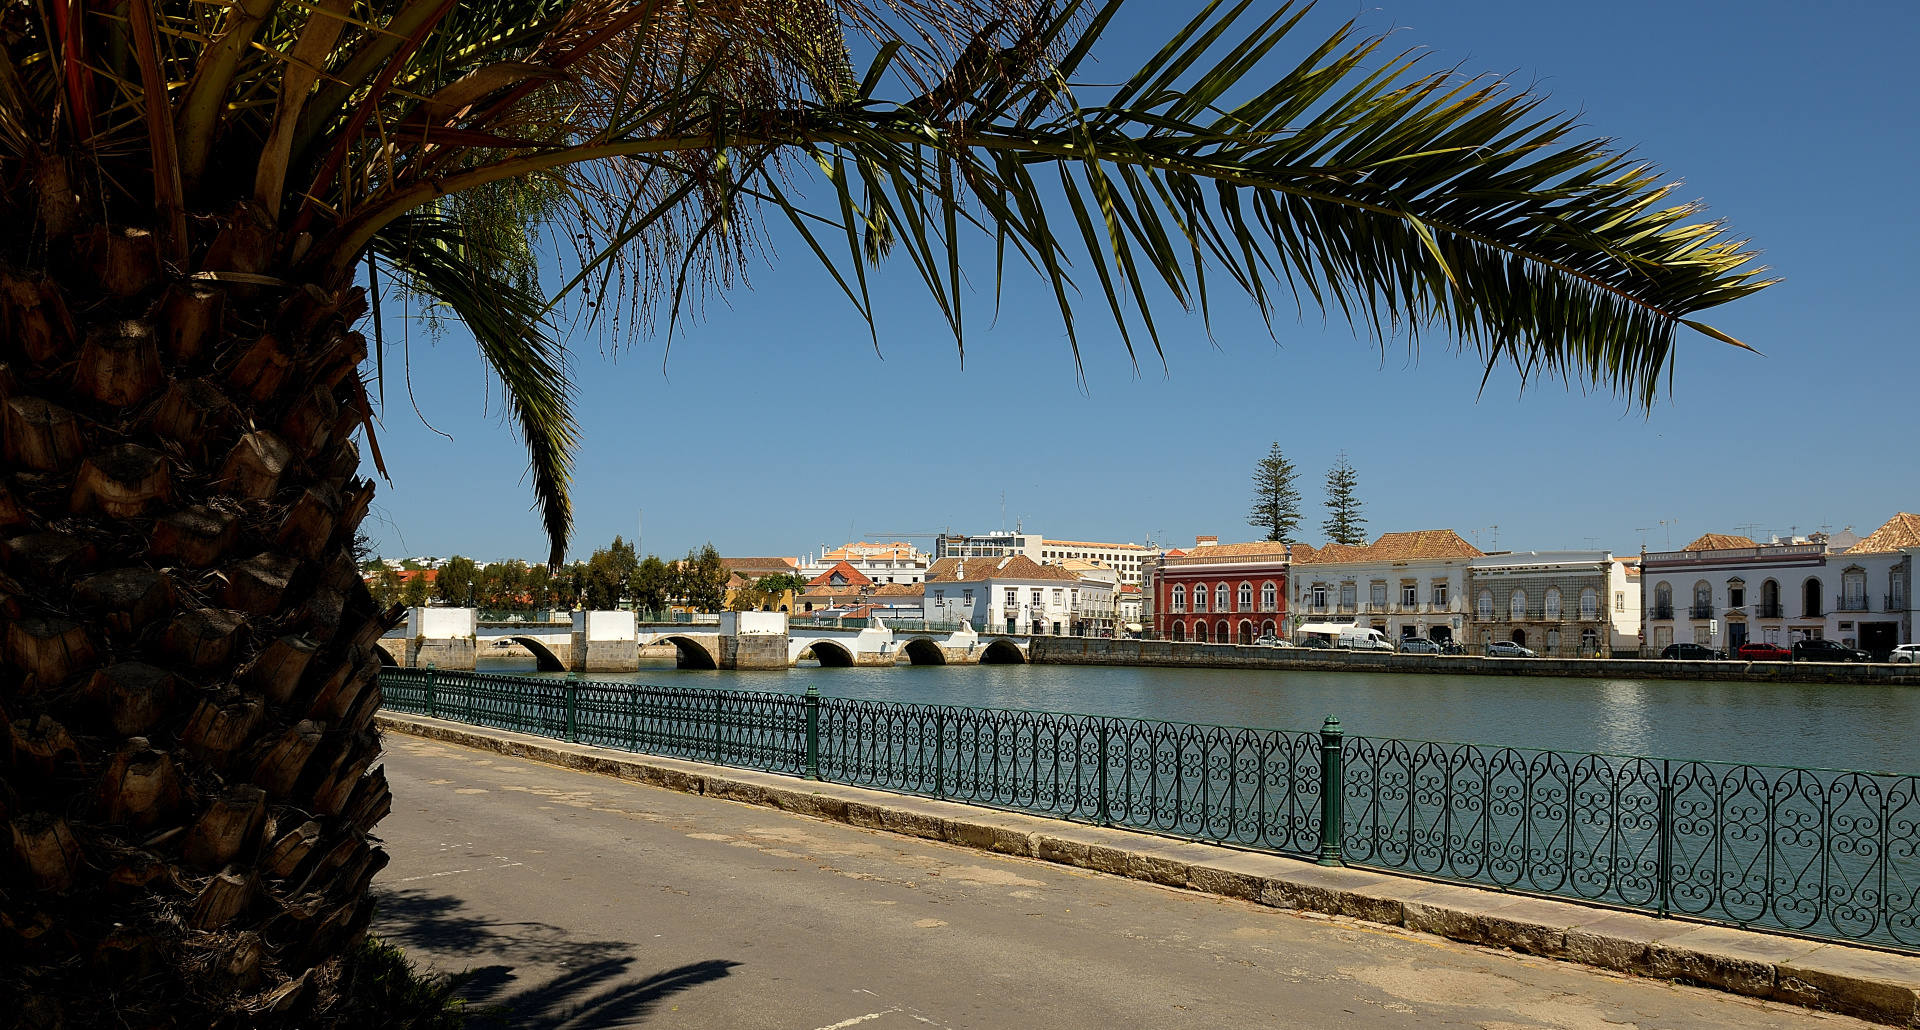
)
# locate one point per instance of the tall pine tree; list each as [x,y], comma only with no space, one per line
[1344,524]
[1276,501]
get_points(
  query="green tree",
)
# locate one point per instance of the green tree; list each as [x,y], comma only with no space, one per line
[703,580]
[387,588]
[609,575]
[198,191]
[416,593]
[1344,524]
[1276,501]
[540,586]
[651,584]
[454,585]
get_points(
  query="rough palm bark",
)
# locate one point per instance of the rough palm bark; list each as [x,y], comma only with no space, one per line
[189,681]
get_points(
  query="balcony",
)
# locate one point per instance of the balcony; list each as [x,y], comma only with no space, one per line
[1851,604]
[1764,610]
[1347,608]
[1896,602]
[1700,611]
[1663,612]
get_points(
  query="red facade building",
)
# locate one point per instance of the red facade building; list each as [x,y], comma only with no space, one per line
[1221,593]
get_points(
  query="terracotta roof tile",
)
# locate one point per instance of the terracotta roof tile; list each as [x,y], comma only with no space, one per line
[973,570]
[901,590]
[1424,543]
[1903,530]
[1255,550]
[849,573]
[761,564]
[1719,542]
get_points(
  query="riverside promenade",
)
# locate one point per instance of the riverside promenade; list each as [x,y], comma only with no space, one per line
[592,887]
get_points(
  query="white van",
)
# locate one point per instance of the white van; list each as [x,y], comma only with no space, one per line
[1346,635]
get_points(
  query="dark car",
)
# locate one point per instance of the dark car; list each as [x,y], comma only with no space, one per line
[1760,651]
[1692,653]
[1827,651]
[1315,642]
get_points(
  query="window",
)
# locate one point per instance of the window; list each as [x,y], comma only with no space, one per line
[1036,597]
[1663,601]
[1736,593]
[1319,595]
[1590,607]
[1377,595]
[1517,605]
[1199,597]
[1553,641]
[1440,592]
[1897,590]
[1485,604]
[1589,641]
[1853,590]
[939,595]
[1553,608]
[967,596]
[1349,595]
[1200,631]
[1246,597]
[1409,594]
[1220,597]
[1013,598]
[1058,594]
[1811,597]
[1268,598]
[1179,599]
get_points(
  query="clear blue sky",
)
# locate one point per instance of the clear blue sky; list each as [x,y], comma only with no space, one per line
[773,427]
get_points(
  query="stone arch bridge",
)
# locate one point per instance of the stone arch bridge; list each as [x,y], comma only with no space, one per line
[452,638]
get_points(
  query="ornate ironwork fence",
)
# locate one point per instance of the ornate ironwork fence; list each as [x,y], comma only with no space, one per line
[1822,853]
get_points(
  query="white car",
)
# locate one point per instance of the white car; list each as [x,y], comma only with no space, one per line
[1908,653]
[1271,641]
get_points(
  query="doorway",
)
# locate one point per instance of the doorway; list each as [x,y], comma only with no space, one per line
[1879,638]
[1736,635]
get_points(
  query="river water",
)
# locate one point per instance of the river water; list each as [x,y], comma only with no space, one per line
[1836,727]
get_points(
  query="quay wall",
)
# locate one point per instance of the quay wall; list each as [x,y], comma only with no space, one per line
[1185,654]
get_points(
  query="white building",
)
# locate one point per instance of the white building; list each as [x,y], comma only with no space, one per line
[1403,584]
[1015,594]
[1124,559]
[1559,603]
[895,562]
[1722,591]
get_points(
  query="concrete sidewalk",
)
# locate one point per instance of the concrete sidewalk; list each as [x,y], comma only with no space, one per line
[1879,986]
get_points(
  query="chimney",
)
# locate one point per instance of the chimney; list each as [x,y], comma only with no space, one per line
[1205,541]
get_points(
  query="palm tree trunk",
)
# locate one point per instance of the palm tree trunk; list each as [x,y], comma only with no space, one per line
[189,689]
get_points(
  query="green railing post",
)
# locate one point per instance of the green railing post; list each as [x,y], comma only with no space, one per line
[1332,791]
[939,753]
[1103,812]
[1663,850]
[572,701]
[433,703]
[813,731]
[719,701]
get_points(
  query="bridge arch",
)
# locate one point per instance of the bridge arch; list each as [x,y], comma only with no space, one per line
[545,659]
[1002,652]
[831,654]
[689,653]
[921,651]
[385,656]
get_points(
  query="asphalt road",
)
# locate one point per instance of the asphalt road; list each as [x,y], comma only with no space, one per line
[581,901]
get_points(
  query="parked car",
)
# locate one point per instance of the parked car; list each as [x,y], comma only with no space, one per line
[1270,641]
[1508,649]
[1908,653]
[1760,651]
[1418,645]
[1827,651]
[1688,652]
[1317,643]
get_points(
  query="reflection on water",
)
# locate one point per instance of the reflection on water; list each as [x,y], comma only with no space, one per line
[1833,726]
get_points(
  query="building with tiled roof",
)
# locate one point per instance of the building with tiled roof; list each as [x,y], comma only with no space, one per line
[894,562]
[1015,594]
[841,574]
[1563,604]
[1722,591]
[1410,584]
[1218,592]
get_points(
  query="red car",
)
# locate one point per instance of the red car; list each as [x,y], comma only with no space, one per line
[1757,651]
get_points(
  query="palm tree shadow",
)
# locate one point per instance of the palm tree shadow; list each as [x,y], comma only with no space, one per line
[568,983]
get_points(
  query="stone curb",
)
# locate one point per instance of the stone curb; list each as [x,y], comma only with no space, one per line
[1880,986]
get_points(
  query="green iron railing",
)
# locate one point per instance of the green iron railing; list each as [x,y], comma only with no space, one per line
[1827,854]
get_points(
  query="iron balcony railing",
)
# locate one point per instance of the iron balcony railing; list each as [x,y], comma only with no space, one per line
[1851,604]
[1819,853]
[1700,611]
[1763,610]
[1896,602]
[1660,611]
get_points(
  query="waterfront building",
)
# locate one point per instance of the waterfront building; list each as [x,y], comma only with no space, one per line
[1563,604]
[895,562]
[1218,592]
[1015,594]
[1721,591]
[1124,559]
[745,572]
[898,601]
[1404,584]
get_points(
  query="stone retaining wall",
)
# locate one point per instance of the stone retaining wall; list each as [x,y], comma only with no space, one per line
[1101,651]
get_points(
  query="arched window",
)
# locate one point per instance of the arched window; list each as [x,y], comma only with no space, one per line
[1663,600]
[1266,628]
[1702,600]
[1589,608]
[1246,597]
[1517,606]
[1484,605]
[1811,600]
[1220,598]
[1268,596]
[1770,600]
[1179,599]
[1246,632]
[1199,597]
[1553,605]
[1200,631]
[1179,631]
[1221,632]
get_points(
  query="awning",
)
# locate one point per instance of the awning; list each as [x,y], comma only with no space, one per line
[1332,629]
